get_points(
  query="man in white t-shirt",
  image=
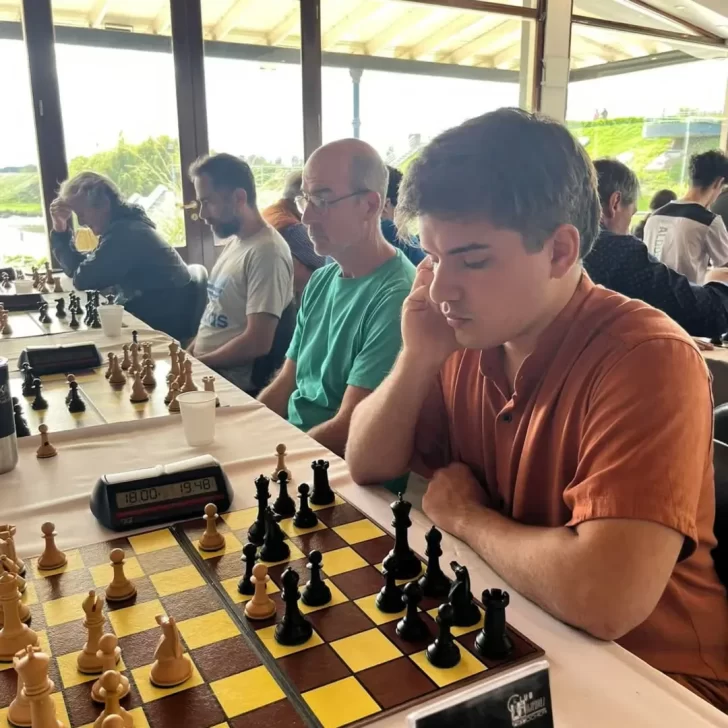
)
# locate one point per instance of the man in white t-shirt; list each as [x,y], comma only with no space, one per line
[685,234]
[251,283]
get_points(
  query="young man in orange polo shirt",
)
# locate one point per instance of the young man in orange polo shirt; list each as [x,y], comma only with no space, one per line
[567,429]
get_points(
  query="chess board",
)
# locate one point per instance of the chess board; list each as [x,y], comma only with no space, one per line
[27,323]
[353,670]
[105,403]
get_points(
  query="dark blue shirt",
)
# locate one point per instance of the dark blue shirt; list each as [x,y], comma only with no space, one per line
[623,263]
[410,247]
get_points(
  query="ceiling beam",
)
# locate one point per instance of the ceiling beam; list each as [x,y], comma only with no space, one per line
[163,22]
[481,42]
[281,31]
[98,13]
[350,19]
[433,41]
[405,21]
[231,18]
[650,10]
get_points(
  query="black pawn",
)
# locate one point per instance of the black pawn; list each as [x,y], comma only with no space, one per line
[316,593]
[73,323]
[443,652]
[305,517]
[135,337]
[390,599]
[434,583]
[44,317]
[256,533]
[411,627]
[406,565]
[493,641]
[274,547]
[60,308]
[284,505]
[465,610]
[293,629]
[21,426]
[28,380]
[38,403]
[245,585]
[75,403]
[95,319]
[110,299]
[322,495]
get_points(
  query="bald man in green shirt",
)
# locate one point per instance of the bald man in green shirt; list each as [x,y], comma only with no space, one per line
[348,330]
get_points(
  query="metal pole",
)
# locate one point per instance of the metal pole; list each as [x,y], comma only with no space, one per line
[356,74]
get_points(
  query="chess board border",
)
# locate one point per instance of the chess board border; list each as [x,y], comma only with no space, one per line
[250,633]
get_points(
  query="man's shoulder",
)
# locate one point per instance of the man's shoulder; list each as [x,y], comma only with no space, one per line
[692,211]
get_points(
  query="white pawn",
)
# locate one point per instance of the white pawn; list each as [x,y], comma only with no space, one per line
[261,606]
[112,692]
[120,588]
[52,557]
[212,539]
[108,655]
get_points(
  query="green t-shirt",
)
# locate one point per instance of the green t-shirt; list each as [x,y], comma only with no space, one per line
[348,332]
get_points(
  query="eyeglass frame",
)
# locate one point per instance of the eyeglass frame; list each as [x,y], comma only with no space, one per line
[302,201]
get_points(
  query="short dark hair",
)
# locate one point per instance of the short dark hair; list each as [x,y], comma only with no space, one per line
[708,167]
[520,171]
[661,198]
[226,171]
[614,176]
[395,180]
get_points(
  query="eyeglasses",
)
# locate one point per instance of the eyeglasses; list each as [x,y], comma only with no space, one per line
[320,203]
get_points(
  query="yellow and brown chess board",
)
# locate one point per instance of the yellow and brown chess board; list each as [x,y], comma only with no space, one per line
[353,670]
[105,403]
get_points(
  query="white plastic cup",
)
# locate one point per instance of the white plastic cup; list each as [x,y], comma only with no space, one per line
[23,286]
[198,417]
[111,316]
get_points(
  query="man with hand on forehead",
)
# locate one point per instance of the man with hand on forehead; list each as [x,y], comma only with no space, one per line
[566,429]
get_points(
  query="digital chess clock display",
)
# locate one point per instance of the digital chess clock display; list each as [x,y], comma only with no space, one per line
[161,493]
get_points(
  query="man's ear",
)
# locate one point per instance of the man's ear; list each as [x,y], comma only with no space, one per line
[241,197]
[615,202]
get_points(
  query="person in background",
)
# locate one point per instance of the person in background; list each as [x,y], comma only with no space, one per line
[566,429]
[251,284]
[720,206]
[621,262]
[286,219]
[410,245]
[659,199]
[685,234]
[348,329]
[131,259]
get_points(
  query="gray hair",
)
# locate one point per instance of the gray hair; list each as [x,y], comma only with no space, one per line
[613,176]
[94,188]
[368,172]
[519,171]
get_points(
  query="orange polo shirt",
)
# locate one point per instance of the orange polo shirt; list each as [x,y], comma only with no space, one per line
[611,417]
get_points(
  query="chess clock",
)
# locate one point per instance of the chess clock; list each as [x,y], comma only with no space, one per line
[21,301]
[61,359]
[163,493]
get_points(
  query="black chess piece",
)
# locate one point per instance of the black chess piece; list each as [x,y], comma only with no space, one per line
[73,323]
[412,628]
[96,298]
[434,583]
[95,319]
[111,299]
[75,403]
[44,318]
[135,337]
[390,599]
[6,281]
[294,628]
[322,495]
[316,593]
[21,426]
[465,610]
[89,313]
[256,533]
[245,585]
[493,641]
[284,505]
[443,652]
[305,517]
[38,403]
[60,308]
[274,547]
[28,379]
[406,564]
[79,307]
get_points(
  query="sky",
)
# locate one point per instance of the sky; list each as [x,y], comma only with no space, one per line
[255,108]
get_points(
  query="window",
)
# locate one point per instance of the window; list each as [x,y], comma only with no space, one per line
[119,105]
[618,106]
[23,237]
[253,87]
[396,74]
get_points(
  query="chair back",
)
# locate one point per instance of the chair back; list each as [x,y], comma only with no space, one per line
[266,366]
[197,301]
[720,552]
